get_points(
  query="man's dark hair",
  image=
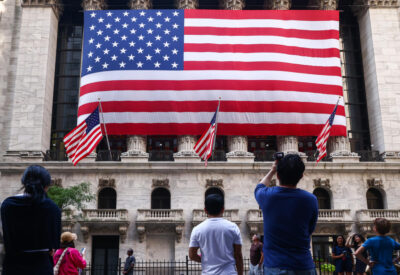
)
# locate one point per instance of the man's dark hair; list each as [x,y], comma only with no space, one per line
[290,169]
[214,204]
[382,225]
[130,251]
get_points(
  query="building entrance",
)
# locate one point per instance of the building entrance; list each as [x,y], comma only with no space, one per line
[105,255]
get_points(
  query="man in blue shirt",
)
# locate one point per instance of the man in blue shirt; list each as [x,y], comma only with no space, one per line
[290,215]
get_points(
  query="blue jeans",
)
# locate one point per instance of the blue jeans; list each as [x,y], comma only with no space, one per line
[255,270]
[278,271]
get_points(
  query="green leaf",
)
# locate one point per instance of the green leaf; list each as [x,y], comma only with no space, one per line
[71,196]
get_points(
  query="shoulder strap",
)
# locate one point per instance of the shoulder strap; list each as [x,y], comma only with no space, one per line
[57,266]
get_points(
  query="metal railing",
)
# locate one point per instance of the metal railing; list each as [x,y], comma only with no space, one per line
[104,155]
[369,155]
[218,155]
[264,155]
[312,156]
[55,155]
[165,155]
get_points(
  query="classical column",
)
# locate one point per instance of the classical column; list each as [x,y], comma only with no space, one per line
[237,145]
[186,143]
[32,104]
[278,4]
[136,145]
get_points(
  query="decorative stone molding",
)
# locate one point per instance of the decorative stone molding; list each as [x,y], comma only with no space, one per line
[56,182]
[85,232]
[161,183]
[322,182]
[107,183]
[89,5]
[237,146]
[123,232]
[185,150]
[54,4]
[140,4]
[187,4]
[136,149]
[141,230]
[278,4]
[325,4]
[377,183]
[382,3]
[24,156]
[391,156]
[179,232]
[340,150]
[214,183]
[232,4]
[89,158]
[290,145]
[255,222]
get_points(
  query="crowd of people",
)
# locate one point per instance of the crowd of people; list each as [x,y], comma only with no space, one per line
[34,244]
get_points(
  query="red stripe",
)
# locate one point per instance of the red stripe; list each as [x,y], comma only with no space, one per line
[307,15]
[305,34]
[261,48]
[209,106]
[223,129]
[251,85]
[266,66]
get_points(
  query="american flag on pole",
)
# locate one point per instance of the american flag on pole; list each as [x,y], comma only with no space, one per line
[322,138]
[205,145]
[83,139]
[160,72]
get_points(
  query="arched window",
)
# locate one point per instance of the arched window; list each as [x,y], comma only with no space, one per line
[160,199]
[323,197]
[107,199]
[374,199]
[214,190]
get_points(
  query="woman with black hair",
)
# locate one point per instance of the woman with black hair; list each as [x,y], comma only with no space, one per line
[342,256]
[357,241]
[31,226]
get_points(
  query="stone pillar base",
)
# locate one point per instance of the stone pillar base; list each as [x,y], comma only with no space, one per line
[391,156]
[345,156]
[134,156]
[24,156]
[89,159]
[239,156]
[186,156]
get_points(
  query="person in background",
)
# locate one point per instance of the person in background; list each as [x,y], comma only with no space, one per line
[31,226]
[129,262]
[357,241]
[71,260]
[342,256]
[380,249]
[219,241]
[256,256]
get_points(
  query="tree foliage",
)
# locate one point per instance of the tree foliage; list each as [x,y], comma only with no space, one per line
[70,196]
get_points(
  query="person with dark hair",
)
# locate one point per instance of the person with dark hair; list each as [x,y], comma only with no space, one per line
[129,262]
[219,241]
[342,256]
[380,248]
[290,216]
[357,241]
[31,226]
[256,256]
[69,258]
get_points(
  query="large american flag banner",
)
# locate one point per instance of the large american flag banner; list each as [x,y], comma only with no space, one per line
[161,72]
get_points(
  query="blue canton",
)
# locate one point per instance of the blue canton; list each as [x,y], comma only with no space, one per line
[93,120]
[332,116]
[133,40]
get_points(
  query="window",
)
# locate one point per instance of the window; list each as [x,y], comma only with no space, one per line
[214,190]
[323,197]
[160,199]
[263,148]
[221,147]
[162,148]
[107,199]
[321,246]
[374,199]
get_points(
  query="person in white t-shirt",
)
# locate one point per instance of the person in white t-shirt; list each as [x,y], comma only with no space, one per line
[219,241]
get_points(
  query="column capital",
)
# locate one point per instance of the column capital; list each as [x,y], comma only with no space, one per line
[340,150]
[382,3]
[140,4]
[136,152]
[187,4]
[89,5]
[278,4]
[54,4]
[186,152]
[325,4]
[232,4]
[237,146]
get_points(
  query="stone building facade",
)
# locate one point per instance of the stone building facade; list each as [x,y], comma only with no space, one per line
[150,199]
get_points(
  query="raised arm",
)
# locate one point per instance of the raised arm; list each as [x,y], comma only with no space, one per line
[267,179]
[237,254]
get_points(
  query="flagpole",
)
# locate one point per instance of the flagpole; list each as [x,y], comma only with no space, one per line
[105,128]
[216,126]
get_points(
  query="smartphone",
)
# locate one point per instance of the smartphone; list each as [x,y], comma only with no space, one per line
[83,250]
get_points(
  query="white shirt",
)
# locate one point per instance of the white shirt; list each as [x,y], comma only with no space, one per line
[216,237]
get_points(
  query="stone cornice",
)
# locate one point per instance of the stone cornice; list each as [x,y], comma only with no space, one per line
[382,3]
[54,4]
[232,4]
[187,4]
[278,4]
[213,167]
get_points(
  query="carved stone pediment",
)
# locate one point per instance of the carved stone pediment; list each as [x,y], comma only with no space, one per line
[161,183]
[374,183]
[322,182]
[214,183]
[56,182]
[107,183]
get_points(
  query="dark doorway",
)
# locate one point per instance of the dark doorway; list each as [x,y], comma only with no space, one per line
[105,255]
[107,199]
[374,199]
[324,200]
[160,199]
[321,246]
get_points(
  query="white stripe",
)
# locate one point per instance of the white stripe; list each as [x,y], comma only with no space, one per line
[264,39]
[263,23]
[223,117]
[210,75]
[263,57]
[208,95]
[87,141]
[74,132]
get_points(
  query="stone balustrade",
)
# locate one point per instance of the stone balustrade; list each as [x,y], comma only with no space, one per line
[334,215]
[159,215]
[105,215]
[371,214]
[230,214]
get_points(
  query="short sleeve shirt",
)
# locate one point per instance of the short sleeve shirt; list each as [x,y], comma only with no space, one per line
[128,262]
[215,237]
[381,249]
[255,253]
